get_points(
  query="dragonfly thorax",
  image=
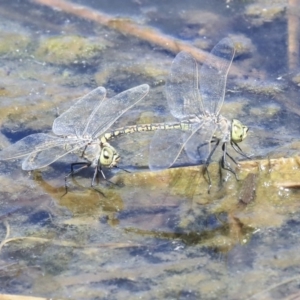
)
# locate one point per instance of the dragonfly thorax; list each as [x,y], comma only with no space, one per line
[223,129]
[238,131]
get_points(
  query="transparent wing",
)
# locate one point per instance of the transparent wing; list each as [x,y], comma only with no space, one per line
[165,148]
[167,145]
[182,87]
[112,109]
[77,118]
[213,76]
[41,149]
[44,158]
[198,145]
[31,144]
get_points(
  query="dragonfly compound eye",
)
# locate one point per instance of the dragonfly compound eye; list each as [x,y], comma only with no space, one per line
[238,131]
[108,157]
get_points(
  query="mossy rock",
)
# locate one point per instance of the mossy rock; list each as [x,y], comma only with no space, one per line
[13,45]
[68,50]
[265,12]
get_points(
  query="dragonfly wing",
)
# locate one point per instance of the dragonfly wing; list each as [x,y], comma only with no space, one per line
[46,157]
[213,75]
[75,120]
[182,87]
[165,148]
[31,144]
[112,109]
[198,144]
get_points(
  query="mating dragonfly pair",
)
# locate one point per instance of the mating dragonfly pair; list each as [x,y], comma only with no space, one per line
[194,98]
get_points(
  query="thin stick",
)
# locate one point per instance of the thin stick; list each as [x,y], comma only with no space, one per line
[6,224]
[20,297]
[64,243]
[293,34]
[260,294]
[154,36]
[128,27]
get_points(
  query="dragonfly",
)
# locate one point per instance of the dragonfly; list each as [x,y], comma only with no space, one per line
[195,99]
[79,130]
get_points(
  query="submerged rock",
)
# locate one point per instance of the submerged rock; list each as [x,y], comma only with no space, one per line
[265,11]
[67,50]
[13,45]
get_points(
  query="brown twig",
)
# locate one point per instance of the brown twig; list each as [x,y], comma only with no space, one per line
[154,36]
[293,34]
[128,27]
[20,297]
[3,242]
[64,243]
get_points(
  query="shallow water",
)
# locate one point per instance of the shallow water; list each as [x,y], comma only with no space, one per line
[149,235]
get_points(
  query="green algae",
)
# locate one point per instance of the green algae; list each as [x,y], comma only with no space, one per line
[66,50]
[265,11]
[14,45]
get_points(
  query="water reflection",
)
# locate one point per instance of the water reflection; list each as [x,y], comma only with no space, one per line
[163,221]
[153,235]
[170,205]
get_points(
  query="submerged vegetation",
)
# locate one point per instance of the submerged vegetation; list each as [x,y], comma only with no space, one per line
[142,234]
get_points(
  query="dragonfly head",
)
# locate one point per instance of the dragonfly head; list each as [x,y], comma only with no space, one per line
[109,157]
[238,131]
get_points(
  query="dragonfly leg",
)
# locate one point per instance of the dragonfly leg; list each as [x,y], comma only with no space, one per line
[122,169]
[83,164]
[98,170]
[224,163]
[238,149]
[206,171]
[220,171]
[231,157]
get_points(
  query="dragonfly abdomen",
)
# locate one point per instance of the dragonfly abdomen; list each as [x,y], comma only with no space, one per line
[145,127]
